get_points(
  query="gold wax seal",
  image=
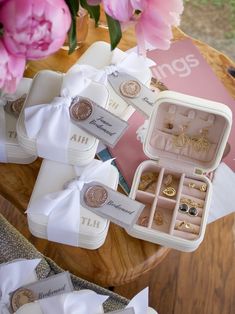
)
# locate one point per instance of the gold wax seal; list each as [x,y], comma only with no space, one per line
[130,89]
[80,109]
[95,196]
[20,297]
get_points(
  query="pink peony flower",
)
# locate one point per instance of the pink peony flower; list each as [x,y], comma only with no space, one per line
[34,29]
[11,70]
[153,22]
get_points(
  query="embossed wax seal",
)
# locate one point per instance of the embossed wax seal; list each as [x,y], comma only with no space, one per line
[130,88]
[15,106]
[20,297]
[95,196]
[80,109]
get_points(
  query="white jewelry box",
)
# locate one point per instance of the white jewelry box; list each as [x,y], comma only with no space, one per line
[99,55]
[13,151]
[51,178]
[186,138]
[45,86]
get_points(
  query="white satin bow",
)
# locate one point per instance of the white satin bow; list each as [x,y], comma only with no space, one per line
[131,63]
[13,275]
[63,207]
[50,123]
[82,302]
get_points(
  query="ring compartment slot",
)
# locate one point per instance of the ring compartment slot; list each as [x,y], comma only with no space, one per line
[194,199]
[194,191]
[196,220]
[185,235]
[147,199]
[186,227]
[163,215]
[148,185]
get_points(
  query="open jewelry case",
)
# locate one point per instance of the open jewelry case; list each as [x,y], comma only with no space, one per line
[185,140]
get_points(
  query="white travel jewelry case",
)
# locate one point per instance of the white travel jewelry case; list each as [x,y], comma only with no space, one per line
[45,86]
[99,56]
[51,178]
[161,222]
[14,152]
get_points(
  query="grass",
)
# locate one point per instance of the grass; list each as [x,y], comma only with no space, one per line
[220,3]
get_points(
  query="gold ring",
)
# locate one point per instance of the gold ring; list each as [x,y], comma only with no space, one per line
[169,191]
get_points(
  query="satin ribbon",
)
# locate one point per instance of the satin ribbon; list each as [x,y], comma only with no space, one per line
[49,124]
[3,152]
[13,275]
[63,207]
[130,63]
[85,302]
[82,302]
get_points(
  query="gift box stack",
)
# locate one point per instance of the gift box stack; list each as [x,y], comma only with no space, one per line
[63,118]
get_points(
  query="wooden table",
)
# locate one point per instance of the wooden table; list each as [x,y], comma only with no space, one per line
[122,258]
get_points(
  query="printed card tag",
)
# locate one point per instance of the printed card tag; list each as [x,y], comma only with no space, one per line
[110,204]
[129,310]
[97,121]
[45,288]
[133,92]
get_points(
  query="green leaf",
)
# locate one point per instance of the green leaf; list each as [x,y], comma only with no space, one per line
[93,10]
[115,32]
[1,30]
[73,6]
[72,34]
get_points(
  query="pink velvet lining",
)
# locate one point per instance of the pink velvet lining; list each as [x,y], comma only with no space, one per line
[170,119]
[161,212]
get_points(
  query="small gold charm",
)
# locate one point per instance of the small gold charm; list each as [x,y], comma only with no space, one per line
[201,143]
[182,139]
[158,218]
[169,191]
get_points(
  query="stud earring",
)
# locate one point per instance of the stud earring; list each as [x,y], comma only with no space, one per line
[202,187]
[201,143]
[181,140]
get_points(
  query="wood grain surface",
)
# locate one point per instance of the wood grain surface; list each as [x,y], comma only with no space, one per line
[122,258]
[199,282]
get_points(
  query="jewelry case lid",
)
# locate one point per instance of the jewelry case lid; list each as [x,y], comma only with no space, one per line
[187,131]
